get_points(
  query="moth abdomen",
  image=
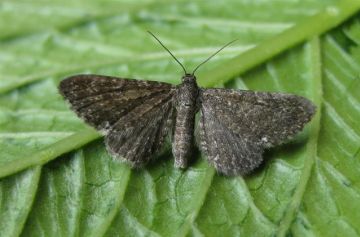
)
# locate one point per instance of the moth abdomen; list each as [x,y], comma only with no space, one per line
[186,108]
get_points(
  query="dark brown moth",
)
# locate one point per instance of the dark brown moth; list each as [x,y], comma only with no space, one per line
[234,129]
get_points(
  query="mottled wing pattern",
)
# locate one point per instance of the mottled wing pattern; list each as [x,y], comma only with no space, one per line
[134,115]
[236,125]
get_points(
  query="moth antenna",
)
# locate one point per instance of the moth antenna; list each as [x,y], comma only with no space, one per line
[213,55]
[167,50]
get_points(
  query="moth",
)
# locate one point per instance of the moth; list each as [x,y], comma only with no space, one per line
[235,126]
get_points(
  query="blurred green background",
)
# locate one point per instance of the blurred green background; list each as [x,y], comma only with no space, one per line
[309,187]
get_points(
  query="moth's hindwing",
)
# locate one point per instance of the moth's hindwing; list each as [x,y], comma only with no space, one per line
[236,125]
[134,115]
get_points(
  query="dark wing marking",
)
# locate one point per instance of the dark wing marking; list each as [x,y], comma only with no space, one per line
[236,125]
[134,115]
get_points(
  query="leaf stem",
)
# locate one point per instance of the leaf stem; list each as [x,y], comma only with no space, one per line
[49,153]
[315,25]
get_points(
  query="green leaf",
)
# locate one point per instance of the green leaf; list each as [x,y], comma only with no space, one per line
[309,187]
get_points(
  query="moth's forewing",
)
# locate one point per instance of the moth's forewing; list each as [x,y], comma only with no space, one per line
[236,125]
[134,115]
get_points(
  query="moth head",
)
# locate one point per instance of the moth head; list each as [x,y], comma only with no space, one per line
[188,77]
